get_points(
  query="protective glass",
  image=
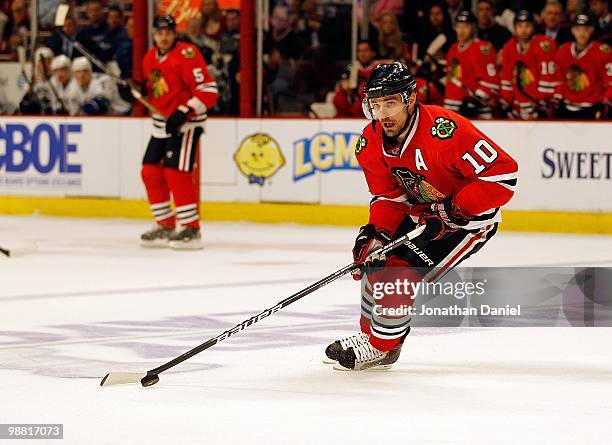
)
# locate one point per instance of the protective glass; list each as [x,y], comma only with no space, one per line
[383,107]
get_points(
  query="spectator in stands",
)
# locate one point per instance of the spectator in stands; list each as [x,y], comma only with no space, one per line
[230,40]
[93,93]
[282,36]
[488,29]
[213,22]
[435,22]
[309,24]
[97,30]
[366,61]
[17,29]
[552,16]
[194,33]
[123,55]
[379,7]
[603,26]
[571,10]
[347,99]
[62,43]
[280,72]
[391,44]
[116,28]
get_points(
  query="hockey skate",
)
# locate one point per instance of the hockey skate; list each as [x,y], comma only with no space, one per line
[187,239]
[158,236]
[332,352]
[366,356]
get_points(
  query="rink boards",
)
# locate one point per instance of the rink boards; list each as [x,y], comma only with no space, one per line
[90,167]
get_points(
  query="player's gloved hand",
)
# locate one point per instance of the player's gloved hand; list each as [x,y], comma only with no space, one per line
[369,240]
[95,106]
[176,119]
[441,219]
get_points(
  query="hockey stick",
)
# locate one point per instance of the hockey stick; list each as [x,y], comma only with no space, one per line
[60,18]
[151,377]
[5,252]
[519,85]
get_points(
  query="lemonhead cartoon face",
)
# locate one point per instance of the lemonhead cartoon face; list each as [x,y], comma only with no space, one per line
[259,157]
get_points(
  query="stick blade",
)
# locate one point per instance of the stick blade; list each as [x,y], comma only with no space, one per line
[60,14]
[122,378]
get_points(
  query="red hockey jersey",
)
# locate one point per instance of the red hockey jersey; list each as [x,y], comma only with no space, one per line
[471,71]
[585,78]
[443,155]
[179,77]
[533,69]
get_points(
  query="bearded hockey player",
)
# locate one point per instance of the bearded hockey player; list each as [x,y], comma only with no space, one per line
[180,86]
[93,93]
[529,75]
[584,90]
[472,78]
[424,165]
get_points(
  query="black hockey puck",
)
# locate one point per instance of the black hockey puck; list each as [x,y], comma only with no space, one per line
[149,380]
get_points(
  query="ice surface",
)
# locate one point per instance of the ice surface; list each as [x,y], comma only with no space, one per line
[89,300]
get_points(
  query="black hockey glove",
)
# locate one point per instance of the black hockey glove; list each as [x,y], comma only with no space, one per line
[176,119]
[441,219]
[369,240]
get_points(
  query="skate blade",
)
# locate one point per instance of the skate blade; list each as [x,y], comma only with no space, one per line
[339,367]
[189,245]
[157,244]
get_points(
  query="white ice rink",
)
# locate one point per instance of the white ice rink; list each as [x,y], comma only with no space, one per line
[89,300]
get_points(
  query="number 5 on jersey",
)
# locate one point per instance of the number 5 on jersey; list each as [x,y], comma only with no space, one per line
[485,152]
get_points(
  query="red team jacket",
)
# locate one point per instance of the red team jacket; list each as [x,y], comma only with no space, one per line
[179,77]
[535,70]
[585,78]
[472,67]
[443,155]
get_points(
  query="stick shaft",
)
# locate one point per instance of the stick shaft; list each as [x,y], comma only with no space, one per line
[281,304]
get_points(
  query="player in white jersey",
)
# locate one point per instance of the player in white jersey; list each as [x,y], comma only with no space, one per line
[93,93]
[49,95]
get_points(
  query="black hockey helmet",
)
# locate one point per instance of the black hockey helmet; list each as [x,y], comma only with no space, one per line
[524,16]
[465,17]
[583,20]
[164,22]
[388,79]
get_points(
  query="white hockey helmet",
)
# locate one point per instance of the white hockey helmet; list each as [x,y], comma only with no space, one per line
[60,61]
[43,51]
[81,64]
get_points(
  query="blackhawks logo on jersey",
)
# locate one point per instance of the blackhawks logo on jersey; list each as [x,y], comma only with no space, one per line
[362,142]
[523,75]
[188,53]
[455,70]
[545,45]
[158,83]
[443,128]
[576,79]
[417,188]
[485,50]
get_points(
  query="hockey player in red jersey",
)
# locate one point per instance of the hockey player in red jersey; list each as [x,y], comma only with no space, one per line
[423,165]
[584,90]
[528,70]
[180,87]
[472,79]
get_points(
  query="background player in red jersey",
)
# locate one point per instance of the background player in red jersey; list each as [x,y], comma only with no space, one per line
[528,70]
[423,165]
[472,80]
[180,87]
[584,90]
